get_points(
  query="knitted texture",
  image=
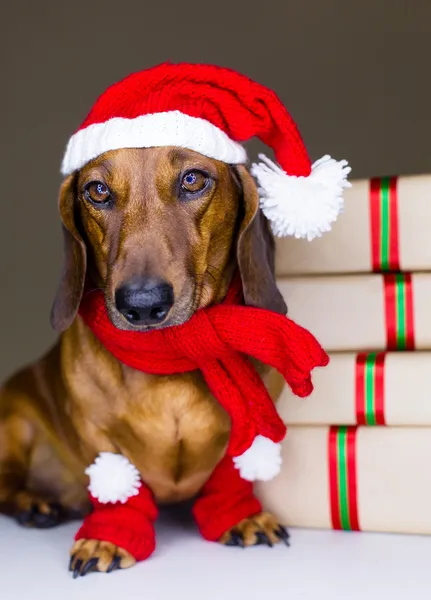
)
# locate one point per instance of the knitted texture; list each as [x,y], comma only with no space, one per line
[213,110]
[216,340]
[129,526]
[224,501]
[231,102]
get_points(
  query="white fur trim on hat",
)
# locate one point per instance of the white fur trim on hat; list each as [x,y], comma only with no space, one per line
[171,128]
[303,207]
[262,461]
[113,478]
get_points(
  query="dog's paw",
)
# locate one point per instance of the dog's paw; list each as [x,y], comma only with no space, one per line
[93,555]
[32,510]
[263,528]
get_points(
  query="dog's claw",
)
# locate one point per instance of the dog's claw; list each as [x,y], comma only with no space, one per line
[77,569]
[262,538]
[114,564]
[260,529]
[235,539]
[89,566]
[89,556]
[41,520]
[24,518]
[283,535]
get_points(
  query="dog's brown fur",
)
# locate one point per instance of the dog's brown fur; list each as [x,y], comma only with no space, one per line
[56,415]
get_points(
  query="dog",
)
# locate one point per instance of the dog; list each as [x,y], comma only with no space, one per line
[161,231]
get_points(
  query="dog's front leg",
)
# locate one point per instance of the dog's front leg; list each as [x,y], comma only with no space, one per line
[115,535]
[228,512]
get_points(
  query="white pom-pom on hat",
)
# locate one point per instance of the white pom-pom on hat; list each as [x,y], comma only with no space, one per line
[262,461]
[302,206]
[113,478]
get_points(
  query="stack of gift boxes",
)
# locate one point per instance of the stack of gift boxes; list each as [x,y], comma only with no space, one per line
[358,451]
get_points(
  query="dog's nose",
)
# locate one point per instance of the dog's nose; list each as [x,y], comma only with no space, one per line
[144,301]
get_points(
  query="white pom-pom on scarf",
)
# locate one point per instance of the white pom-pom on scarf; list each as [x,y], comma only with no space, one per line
[303,207]
[262,461]
[113,478]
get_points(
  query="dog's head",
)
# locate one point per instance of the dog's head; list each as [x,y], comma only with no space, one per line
[161,232]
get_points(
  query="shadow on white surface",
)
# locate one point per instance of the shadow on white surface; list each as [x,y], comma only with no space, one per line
[318,565]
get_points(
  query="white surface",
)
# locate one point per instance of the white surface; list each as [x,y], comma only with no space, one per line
[319,565]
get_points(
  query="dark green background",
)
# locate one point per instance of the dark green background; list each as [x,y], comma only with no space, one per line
[355,74]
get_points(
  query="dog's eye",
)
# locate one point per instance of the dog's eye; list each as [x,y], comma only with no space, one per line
[97,192]
[194,181]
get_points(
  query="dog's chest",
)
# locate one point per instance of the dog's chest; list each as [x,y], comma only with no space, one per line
[174,431]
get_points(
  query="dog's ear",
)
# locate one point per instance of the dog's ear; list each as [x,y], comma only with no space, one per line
[71,287]
[256,250]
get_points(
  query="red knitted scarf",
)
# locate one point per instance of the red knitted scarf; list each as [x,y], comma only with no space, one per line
[217,341]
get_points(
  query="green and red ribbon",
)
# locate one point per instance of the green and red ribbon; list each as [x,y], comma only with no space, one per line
[369,384]
[385,250]
[399,316]
[370,388]
[343,478]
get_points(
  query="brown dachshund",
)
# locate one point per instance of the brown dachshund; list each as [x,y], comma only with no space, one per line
[131,229]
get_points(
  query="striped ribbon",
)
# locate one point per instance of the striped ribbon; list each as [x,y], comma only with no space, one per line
[399,311]
[343,478]
[370,388]
[385,249]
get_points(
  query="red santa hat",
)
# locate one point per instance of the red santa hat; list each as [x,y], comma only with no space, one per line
[212,110]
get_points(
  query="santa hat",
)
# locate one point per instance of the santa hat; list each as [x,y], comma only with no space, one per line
[212,110]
